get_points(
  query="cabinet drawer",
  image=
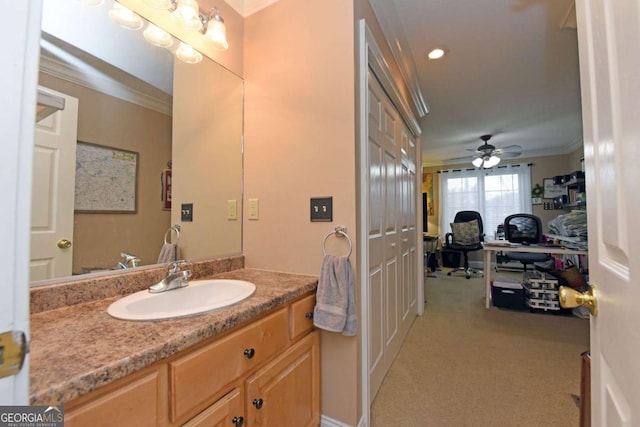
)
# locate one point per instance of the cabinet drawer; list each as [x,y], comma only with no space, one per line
[222,413]
[301,320]
[138,401]
[197,377]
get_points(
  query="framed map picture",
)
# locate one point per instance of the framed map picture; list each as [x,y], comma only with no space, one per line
[106,179]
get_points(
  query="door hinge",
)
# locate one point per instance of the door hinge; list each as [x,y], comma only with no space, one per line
[13,349]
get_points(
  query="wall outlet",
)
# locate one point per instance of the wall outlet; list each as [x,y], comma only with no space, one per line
[232,209]
[253,209]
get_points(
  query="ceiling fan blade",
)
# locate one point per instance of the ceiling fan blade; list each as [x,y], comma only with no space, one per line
[511,148]
[457,160]
[511,155]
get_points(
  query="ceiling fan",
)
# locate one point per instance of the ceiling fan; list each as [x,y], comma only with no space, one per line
[488,155]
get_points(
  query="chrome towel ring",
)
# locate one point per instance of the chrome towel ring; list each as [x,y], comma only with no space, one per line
[340,232]
[167,234]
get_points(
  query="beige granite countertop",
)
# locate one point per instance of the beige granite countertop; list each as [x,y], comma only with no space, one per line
[77,349]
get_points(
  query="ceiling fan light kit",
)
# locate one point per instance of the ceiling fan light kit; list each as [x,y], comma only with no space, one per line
[487,155]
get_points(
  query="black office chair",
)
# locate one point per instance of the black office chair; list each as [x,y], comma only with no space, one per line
[465,243]
[526,229]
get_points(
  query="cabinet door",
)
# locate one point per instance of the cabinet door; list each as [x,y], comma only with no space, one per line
[286,392]
[226,412]
[136,401]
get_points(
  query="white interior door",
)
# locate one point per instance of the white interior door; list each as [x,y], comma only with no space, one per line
[392,251]
[608,37]
[19,23]
[52,201]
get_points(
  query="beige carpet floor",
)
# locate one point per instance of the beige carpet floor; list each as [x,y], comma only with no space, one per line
[464,365]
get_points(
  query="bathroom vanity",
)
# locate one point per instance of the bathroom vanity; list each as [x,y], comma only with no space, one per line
[253,363]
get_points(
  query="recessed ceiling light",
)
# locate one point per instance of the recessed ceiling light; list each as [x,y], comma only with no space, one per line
[437,52]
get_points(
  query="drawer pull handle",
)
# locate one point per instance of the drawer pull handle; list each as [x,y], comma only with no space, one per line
[249,353]
[258,403]
[238,421]
[309,315]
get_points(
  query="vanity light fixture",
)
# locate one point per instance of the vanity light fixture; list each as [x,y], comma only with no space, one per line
[125,17]
[157,36]
[216,30]
[437,52]
[188,54]
[160,4]
[187,13]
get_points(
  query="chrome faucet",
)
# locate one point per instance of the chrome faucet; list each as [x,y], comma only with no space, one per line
[175,278]
[130,261]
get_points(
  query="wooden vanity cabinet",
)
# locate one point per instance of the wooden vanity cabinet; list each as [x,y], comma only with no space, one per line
[285,392]
[274,359]
[197,377]
[139,400]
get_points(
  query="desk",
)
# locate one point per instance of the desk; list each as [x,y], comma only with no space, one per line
[489,248]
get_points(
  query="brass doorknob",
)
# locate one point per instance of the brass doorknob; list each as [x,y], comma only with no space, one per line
[570,298]
[64,244]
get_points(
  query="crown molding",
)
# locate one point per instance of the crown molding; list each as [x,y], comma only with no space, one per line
[249,7]
[100,82]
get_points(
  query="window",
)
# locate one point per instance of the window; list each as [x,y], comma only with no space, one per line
[495,193]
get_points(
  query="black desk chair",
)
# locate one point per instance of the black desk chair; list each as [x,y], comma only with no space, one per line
[526,229]
[467,235]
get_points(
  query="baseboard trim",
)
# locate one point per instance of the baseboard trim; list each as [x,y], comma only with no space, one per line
[330,422]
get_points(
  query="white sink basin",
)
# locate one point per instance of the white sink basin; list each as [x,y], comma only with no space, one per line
[200,296]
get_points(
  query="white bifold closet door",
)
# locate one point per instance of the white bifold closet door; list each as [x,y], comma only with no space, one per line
[391,206]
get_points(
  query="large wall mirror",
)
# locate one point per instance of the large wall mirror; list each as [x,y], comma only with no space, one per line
[134,99]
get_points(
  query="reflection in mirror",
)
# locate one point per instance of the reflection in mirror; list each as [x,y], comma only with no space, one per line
[198,132]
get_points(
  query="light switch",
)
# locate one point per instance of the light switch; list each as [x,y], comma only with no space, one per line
[253,209]
[322,209]
[232,209]
[186,212]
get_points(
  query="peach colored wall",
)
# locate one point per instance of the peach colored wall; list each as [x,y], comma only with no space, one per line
[99,238]
[207,158]
[300,143]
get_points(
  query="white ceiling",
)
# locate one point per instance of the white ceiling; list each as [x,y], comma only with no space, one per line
[511,71]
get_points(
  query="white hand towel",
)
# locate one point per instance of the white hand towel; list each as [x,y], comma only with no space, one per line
[168,253]
[335,308]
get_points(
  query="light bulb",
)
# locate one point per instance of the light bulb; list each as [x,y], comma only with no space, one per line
[187,13]
[492,161]
[477,162]
[188,54]
[157,36]
[159,4]
[217,32]
[125,17]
